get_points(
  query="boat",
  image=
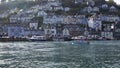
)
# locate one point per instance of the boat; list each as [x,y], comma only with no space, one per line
[37,38]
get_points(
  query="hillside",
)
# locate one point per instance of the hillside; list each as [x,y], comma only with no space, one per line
[23,4]
[18,4]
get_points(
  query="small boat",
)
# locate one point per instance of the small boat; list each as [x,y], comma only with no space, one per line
[37,38]
[80,42]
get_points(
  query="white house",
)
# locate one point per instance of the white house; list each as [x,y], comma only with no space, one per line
[66,9]
[33,25]
[41,13]
[87,9]
[97,24]
[54,2]
[66,32]
[94,23]
[52,19]
[104,6]
[108,35]
[20,18]
[90,9]
[110,18]
[113,18]
[90,2]
[55,8]
[112,9]
[91,23]
[76,19]
[34,33]
[95,9]
[44,7]
[50,32]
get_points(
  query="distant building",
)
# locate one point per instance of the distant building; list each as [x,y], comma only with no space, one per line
[34,32]
[56,8]
[95,9]
[95,24]
[113,9]
[76,19]
[90,2]
[87,2]
[33,25]
[54,2]
[104,6]
[15,31]
[50,31]
[74,29]
[66,32]
[41,13]
[20,18]
[90,9]
[117,30]
[66,9]
[52,19]
[108,29]
[111,18]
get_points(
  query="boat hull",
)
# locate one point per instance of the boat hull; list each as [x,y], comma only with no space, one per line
[33,40]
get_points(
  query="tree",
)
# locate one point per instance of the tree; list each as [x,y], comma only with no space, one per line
[111,2]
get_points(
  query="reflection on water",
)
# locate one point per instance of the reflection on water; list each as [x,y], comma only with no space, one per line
[60,55]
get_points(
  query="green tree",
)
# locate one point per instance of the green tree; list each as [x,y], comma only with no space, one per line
[111,2]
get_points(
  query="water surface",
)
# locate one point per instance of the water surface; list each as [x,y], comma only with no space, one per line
[98,54]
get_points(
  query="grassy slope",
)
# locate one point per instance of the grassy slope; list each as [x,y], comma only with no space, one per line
[18,4]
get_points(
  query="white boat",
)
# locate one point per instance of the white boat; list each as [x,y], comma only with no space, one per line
[37,38]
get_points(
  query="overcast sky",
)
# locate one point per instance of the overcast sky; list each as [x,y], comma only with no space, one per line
[117,1]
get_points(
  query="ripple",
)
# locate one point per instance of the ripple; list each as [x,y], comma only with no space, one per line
[59,55]
[2,62]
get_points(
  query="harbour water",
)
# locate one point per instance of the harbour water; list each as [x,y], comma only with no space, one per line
[98,54]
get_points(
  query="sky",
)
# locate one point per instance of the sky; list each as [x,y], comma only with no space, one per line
[117,1]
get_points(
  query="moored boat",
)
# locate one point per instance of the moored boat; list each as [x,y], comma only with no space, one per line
[37,38]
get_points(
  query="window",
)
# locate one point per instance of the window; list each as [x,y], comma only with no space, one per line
[52,32]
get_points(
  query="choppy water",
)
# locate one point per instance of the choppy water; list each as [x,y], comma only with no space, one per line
[60,55]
